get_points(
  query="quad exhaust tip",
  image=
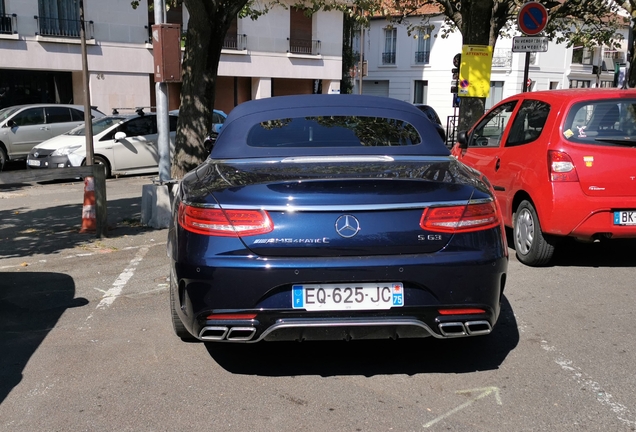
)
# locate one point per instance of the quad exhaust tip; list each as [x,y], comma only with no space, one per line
[468,328]
[232,334]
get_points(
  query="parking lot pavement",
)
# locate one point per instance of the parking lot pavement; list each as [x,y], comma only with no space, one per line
[39,220]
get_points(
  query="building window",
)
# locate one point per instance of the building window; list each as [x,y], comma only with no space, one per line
[390,44]
[6,21]
[496,94]
[581,55]
[554,85]
[579,83]
[421,91]
[423,51]
[59,18]
[300,33]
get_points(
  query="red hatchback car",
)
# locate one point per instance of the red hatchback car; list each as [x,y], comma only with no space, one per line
[562,164]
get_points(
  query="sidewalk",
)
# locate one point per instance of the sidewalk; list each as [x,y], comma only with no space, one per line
[45,218]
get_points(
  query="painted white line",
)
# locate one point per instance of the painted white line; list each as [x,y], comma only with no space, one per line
[115,291]
[483,392]
[583,379]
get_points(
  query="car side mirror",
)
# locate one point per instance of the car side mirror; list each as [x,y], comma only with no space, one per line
[120,136]
[462,139]
[10,124]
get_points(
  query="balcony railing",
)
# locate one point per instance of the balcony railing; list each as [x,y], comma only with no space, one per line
[236,42]
[8,24]
[422,57]
[388,58]
[65,28]
[304,46]
[502,58]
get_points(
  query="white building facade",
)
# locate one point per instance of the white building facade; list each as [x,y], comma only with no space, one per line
[417,67]
[283,52]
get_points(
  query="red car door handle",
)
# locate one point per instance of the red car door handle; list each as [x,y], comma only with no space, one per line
[498,164]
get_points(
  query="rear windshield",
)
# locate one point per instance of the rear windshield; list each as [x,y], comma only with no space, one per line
[603,122]
[333,131]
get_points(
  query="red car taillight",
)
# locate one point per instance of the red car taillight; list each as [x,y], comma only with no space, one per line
[561,167]
[224,223]
[462,218]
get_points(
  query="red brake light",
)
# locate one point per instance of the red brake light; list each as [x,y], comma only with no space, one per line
[467,311]
[461,218]
[224,223]
[232,316]
[561,167]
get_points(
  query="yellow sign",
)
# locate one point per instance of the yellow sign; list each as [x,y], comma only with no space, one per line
[474,73]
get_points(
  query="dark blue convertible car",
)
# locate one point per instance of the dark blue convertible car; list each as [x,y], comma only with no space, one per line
[322,217]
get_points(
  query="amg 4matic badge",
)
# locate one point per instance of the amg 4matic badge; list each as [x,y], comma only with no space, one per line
[290,241]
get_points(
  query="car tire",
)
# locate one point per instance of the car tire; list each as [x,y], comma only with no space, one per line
[3,158]
[100,160]
[177,324]
[533,248]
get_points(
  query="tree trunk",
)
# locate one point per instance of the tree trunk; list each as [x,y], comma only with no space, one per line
[207,27]
[478,27]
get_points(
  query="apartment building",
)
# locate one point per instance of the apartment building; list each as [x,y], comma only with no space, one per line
[283,52]
[417,67]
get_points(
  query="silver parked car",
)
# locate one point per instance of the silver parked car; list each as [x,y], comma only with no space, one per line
[24,126]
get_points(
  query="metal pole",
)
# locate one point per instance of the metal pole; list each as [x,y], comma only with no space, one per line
[163,121]
[525,73]
[88,118]
[361,68]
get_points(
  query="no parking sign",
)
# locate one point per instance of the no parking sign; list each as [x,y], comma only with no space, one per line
[532,18]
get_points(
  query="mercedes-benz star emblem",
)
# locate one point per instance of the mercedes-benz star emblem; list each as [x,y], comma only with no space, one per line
[347,226]
[36,154]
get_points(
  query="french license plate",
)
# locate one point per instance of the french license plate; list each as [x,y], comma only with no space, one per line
[335,297]
[625,217]
[32,162]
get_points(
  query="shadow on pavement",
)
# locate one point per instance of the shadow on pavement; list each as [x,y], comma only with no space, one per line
[30,306]
[369,358]
[610,253]
[24,232]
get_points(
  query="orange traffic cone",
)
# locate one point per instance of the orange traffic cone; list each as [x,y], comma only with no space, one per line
[89,220]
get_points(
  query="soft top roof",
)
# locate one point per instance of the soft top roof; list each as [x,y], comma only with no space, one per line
[232,141]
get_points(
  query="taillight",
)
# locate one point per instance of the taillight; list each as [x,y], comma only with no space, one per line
[461,218]
[466,311]
[561,167]
[224,223]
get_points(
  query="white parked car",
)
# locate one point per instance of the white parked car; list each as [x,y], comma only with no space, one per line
[124,144]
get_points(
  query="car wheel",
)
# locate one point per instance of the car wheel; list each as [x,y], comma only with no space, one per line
[532,246]
[100,160]
[3,158]
[177,324]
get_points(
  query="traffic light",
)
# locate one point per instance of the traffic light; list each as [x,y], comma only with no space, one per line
[457,61]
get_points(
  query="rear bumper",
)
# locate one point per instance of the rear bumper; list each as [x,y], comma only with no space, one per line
[585,217]
[447,280]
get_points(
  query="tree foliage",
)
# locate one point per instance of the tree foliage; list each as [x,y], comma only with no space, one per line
[481,22]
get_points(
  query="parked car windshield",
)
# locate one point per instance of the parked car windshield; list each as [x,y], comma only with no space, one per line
[5,113]
[99,125]
[602,122]
[333,131]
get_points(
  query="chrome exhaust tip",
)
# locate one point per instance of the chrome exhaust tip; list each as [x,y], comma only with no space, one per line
[241,333]
[452,329]
[213,333]
[476,328]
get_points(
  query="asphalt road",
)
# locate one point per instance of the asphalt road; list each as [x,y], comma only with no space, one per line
[86,344]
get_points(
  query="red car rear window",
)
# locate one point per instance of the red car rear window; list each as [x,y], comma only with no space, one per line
[602,122]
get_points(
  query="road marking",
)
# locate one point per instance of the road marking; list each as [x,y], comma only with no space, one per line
[483,392]
[115,291]
[580,377]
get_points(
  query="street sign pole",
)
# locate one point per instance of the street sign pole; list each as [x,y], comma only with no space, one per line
[532,18]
